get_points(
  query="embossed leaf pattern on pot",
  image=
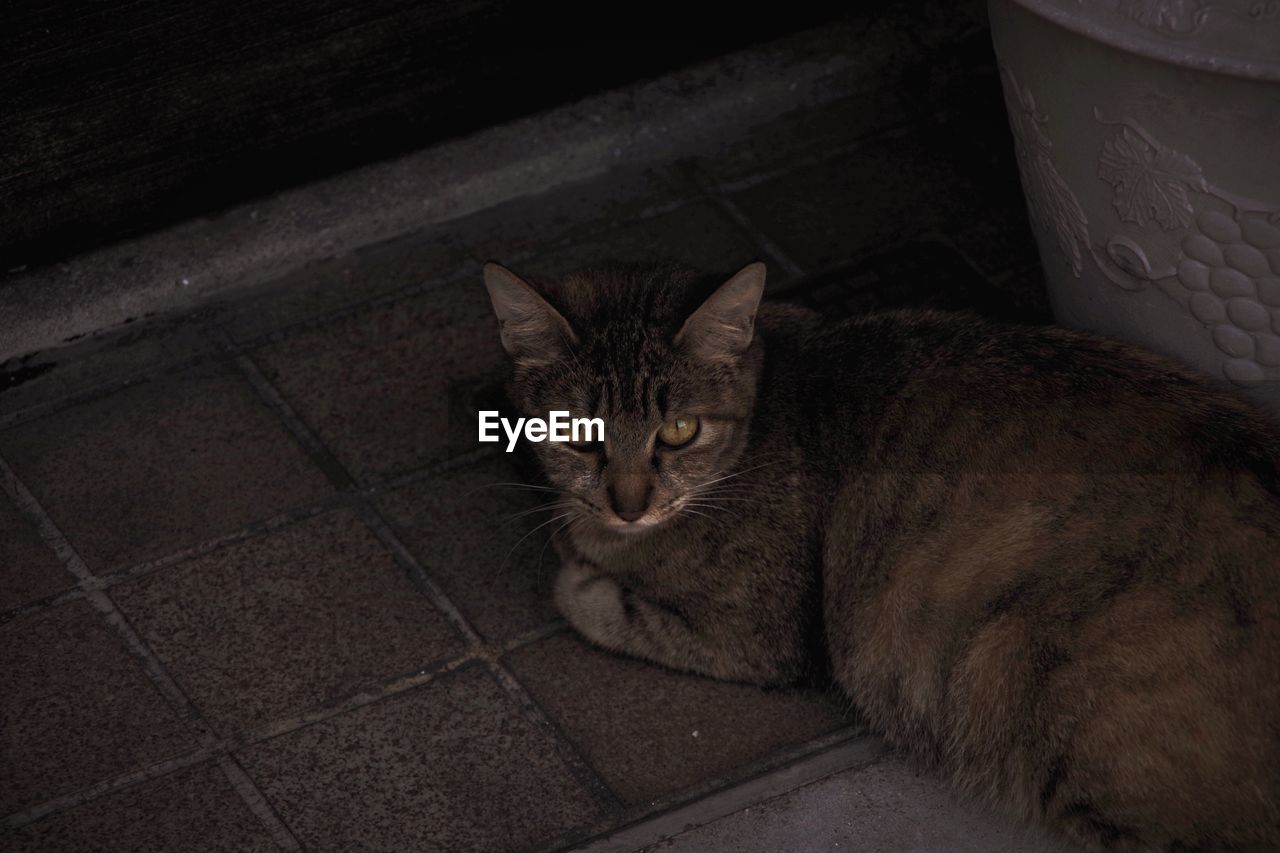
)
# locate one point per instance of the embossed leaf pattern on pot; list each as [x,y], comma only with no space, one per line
[1150,182]
[1171,17]
[1052,204]
[1225,275]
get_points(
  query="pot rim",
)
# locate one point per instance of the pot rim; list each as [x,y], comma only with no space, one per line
[1235,37]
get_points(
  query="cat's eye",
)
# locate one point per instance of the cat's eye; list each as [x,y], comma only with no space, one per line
[679,430]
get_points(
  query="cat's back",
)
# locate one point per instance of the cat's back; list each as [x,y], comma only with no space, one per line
[1046,443]
[1035,524]
[1001,394]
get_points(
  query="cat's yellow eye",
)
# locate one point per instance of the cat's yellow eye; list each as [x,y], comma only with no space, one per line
[679,430]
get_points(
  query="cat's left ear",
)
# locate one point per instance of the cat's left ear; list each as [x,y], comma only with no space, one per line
[533,332]
[722,327]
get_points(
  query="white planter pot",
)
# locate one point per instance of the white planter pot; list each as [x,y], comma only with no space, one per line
[1148,139]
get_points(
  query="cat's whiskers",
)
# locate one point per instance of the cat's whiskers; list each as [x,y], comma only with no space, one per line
[742,493]
[529,486]
[690,511]
[705,505]
[737,474]
[503,565]
[546,507]
[728,499]
[542,553]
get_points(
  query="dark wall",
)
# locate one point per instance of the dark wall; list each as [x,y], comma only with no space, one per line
[119,117]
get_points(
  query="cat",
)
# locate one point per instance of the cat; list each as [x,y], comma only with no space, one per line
[1043,564]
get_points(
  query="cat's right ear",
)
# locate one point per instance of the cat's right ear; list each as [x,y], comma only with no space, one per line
[533,332]
[722,328]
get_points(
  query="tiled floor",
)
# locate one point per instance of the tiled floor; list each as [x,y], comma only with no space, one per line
[262,589]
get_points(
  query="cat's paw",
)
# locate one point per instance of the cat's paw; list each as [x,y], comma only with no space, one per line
[591,602]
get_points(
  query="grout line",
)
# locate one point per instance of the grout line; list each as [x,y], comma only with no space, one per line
[326,461]
[36,411]
[257,802]
[71,560]
[380,527]
[717,195]
[394,687]
[214,749]
[568,752]
[302,512]
[819,157]
[427,472]
[57,599]
[112,615]
[607,800]
[110,786]
[762,241]
[252,530]
[418,575]
[818,760]
[30,508]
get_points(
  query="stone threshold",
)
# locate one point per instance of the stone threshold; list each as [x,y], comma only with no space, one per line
[183,267]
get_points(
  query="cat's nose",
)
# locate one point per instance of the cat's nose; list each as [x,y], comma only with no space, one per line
[629,497]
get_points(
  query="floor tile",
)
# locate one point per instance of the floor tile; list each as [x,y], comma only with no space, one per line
[194,809]
[28,567]
[449,766]
[927,274]
[461,528]
[75,708]
[99,361]
[886,191]
[651,732]
[277,624]
[893,188]
[385,388]
[161,465]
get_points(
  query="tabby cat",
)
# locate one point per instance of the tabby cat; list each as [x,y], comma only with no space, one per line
[1043,564]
